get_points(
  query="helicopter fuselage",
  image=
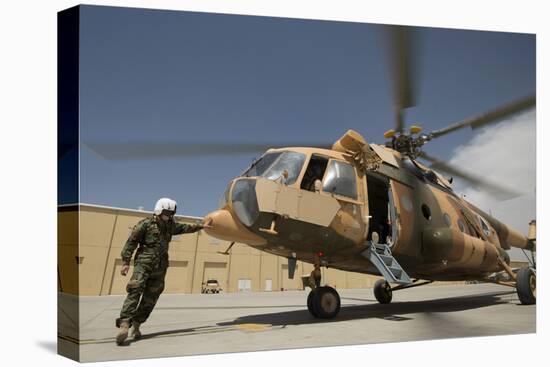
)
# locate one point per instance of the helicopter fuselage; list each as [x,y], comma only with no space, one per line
[304,203]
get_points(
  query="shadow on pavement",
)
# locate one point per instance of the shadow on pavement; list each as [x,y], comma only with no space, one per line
[392,311]
[433,310]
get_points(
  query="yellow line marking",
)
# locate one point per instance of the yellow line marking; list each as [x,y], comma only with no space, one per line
[253,327]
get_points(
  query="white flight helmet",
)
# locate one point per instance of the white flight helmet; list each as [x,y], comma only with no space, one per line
[165,204]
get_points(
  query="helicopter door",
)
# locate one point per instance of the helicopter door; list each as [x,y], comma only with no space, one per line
[401,205]
[379,195]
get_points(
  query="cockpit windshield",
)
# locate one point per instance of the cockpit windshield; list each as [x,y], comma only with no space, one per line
[272,165]
[261,165]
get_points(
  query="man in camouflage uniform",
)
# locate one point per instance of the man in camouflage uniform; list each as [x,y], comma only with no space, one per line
[153,235]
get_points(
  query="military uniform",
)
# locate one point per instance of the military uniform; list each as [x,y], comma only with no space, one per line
[150,264]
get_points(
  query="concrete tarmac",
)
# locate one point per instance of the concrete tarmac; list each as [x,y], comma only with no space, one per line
[188,324]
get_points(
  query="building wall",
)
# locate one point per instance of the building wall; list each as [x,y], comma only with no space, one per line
[67,250]
[91,238]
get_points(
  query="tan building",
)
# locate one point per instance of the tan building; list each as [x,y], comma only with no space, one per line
[90,239]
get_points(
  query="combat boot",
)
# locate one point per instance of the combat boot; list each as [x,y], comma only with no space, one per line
[122,332]
[136,333]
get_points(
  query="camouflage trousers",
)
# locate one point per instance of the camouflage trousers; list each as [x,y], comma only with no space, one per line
[144,289]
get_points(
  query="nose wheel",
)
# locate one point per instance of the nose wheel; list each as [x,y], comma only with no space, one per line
[323,302]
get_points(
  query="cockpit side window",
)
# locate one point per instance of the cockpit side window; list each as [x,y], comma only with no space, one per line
[340,179]
[292,162]
[315,171]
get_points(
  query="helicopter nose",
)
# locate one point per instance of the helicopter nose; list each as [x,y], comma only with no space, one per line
[225,227]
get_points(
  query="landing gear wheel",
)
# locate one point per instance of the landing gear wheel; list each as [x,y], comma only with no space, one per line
[310,303]
[324,302]
[382,291]
[526,286]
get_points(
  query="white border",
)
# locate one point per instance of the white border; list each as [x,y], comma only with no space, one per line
[28,149]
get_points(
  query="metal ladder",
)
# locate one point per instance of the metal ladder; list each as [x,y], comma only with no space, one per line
[380,256]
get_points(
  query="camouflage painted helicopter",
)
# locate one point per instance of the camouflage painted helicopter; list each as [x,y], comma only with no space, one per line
[371,209]
[374,209]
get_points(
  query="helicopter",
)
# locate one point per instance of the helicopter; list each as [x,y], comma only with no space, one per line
[373,208]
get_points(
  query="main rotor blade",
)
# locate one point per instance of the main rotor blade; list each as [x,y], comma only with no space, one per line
[486,118]
[493,189]
[150,150]
[401,73]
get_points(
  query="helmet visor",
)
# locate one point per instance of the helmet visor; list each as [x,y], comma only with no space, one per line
[169,213]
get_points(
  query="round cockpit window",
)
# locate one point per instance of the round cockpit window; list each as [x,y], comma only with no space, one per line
[447,219]
[244,201]
[461,225]
[426,212]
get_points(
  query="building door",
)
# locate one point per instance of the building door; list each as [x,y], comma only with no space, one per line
[268,285]
[244,285]
[215,271]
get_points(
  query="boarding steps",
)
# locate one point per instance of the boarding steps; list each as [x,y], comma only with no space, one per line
[380,256]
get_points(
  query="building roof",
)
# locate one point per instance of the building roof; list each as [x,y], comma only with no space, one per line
[188,218]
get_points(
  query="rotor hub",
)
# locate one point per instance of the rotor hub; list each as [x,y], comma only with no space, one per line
[407,144]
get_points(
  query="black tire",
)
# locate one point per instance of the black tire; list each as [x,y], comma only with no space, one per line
[526,286]
[310,303]
[325,302]
[382,291]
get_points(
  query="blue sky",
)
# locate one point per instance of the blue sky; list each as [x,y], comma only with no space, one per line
[178,77]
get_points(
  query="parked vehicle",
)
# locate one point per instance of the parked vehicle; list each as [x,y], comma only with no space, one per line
[211,286]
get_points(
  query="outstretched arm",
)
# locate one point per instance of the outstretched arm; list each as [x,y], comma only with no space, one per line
[179,228]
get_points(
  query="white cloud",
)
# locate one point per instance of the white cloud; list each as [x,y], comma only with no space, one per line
[504,154]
